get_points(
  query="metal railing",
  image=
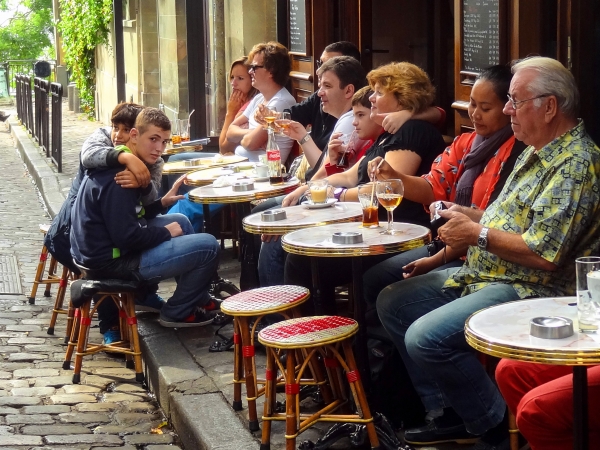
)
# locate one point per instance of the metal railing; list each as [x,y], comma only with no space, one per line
[35,114]
[23,67]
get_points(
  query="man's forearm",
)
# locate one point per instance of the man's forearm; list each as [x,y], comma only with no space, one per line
[512,247]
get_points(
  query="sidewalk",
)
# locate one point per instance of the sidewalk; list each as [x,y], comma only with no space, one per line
[194,387]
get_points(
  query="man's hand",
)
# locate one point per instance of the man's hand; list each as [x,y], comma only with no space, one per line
[292,198]
[260,113]
[460,231]
[295,131]
[127,180]
[175,229]
[172,197]
[418,267]
[136,167]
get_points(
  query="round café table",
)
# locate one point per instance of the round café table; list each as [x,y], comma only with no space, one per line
[317,243]
[503,331]
[204,161]
[176,149]
[262,190]
[300,216]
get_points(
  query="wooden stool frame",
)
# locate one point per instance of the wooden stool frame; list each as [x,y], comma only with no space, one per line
[296,422]
[129,345]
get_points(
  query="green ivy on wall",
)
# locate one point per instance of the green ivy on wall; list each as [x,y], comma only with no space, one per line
[84,24]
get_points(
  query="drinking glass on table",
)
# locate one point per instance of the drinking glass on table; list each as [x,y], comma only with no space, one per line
[349,148]
[184,130]
[318,190]
[369,204]
[175,133]
[389,193]
[588,293]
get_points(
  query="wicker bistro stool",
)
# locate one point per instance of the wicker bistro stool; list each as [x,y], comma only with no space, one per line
[53,278]
[123,294]
[244,307]
[325,335]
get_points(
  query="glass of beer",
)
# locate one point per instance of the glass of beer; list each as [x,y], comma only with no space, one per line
[368,202]
[283,122]
[270,116]
[184,130]
[175,134]
[318,191]
[389,193]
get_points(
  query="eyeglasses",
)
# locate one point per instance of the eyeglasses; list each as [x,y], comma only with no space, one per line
[514,103]
[253,67]
[319,63]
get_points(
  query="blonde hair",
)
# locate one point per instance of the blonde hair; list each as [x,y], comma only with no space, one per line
[553,79]
[409,84]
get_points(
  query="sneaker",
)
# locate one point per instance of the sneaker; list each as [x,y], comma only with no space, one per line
[431,434]
[199,318]
[152,303]
[111,336]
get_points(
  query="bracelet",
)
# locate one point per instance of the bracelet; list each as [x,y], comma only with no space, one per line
[344,194]
[305,139]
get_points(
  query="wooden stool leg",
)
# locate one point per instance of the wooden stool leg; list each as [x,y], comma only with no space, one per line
[249,375]
[134,337]
[51,274]
[72,342]
[238,367]
[84,329]
[359,394]
[292,390]
[513,431]
[60,298]
[70,322]
[270,398]
[39,273]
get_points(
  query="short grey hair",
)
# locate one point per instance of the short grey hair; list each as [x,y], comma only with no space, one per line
[554,79]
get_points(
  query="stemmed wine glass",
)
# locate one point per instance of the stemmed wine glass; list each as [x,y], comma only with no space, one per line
[389,193]
[270,116]
[283,122]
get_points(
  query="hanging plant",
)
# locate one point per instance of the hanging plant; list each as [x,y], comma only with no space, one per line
[84,24]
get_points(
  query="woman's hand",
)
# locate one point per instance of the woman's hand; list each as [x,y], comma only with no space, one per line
[295,131]
[419,267]
[236,101]
[172,196]
[292,198]
[393,121]
[335,148]
[379,169]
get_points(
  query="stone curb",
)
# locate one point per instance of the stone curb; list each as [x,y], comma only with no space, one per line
[45,179]
[201,415]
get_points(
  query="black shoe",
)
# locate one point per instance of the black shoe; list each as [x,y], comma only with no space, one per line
[198,318]
[433,434]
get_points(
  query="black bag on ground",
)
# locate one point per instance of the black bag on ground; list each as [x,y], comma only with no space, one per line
[392,393]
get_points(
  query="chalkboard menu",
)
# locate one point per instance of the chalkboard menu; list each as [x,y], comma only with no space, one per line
[481,34]
[298,27]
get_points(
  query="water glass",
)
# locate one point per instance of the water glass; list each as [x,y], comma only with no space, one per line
[588,293]
[370,206]
[184,129]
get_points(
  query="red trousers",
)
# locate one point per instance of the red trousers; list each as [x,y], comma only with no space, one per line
[541,397]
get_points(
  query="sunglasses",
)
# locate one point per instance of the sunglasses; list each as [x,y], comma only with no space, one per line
[253,67]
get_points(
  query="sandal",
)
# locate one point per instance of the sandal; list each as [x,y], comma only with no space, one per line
[221,346]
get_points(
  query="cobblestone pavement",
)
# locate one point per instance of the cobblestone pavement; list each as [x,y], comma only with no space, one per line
[39,407]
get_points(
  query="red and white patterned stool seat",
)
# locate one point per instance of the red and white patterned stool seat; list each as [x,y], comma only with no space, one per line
[308,332]
[265,300]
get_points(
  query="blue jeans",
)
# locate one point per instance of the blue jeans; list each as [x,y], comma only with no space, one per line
[427,326]
[271,258]
[390,271]
[164,219]
[193,261]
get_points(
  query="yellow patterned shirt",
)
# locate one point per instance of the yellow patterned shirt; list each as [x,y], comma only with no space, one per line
[552,199]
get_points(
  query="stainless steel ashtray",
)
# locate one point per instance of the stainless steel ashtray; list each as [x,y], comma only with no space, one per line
[192,162]
[273,215]
[347,237]
[551,327]
[242,186]
[234,169]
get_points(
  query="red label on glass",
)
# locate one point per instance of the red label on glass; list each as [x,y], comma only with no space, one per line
[273,155]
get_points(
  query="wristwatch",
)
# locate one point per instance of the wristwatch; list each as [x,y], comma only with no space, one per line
[305,139]
[482,240]
[337,193]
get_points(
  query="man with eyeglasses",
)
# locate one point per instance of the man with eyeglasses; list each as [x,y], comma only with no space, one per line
[270,70]
[523,245]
